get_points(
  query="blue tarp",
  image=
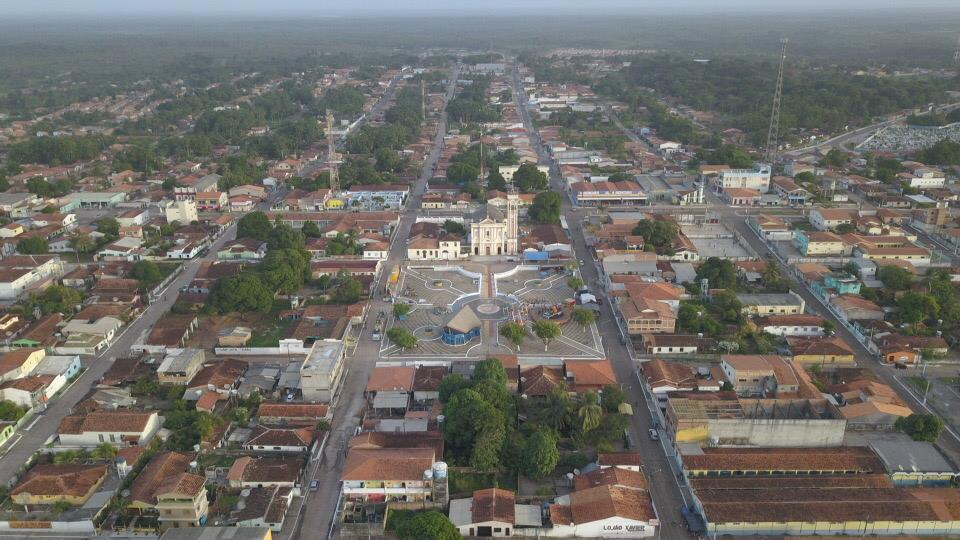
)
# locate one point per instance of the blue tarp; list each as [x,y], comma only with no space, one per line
[536,256]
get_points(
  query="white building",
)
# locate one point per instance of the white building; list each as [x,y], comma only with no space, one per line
[322,372]
[182,211]
[19,272]
[117,427]
[757,178]
[497,234]
[792,325]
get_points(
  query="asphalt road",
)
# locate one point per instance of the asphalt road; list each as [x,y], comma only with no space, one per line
[668,497]
[318,507]
[30,438]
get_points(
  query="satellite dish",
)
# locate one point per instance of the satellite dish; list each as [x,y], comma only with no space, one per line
[125,493]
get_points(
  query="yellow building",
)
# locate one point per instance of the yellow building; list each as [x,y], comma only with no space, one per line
[334,204]
[821,351]
[19,362]
[50,484]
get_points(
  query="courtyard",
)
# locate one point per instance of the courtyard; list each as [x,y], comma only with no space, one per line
[456,313]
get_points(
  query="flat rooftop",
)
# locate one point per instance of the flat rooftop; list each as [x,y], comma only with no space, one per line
[839,459]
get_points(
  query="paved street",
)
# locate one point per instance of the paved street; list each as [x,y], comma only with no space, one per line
[667,496]
[27,441]
[318,507]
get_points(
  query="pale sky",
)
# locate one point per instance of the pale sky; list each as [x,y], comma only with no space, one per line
[285,8]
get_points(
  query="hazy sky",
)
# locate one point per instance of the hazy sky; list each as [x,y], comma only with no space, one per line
[284,8]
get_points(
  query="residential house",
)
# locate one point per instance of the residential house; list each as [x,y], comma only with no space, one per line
[791,325]
[820,351]
[392,474]
[165,490]
[819,243]
[50,483]
[589,375]
[493,513]
[246,249]
[266,472]
[281,439]
[852,307]
[772,303]
[824,219]
[180,366]
[677,344]
[117,427]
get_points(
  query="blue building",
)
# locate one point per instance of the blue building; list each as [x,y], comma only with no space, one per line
[836,283]
[463,326]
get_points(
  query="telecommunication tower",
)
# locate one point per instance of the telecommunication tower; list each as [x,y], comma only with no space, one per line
[774,131]
[332,155]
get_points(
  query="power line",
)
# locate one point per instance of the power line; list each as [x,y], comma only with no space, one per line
[774,131]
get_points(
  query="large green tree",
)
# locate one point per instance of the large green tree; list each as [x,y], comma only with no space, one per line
[33,245]
[243,294]
[584,316]
[529,179]
[921,427]
[895,277]
[255,225]
[657,235]
[917,307]
[430,525]
[546,331]
[720,273]
[514,333]
[147,273]
[540,456]
[401,337]
[546,208]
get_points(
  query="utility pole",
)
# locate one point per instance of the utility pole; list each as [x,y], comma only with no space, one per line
[774,131]
[332,155]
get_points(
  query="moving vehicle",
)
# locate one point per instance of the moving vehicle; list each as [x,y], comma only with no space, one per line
[314,485]
[654,436]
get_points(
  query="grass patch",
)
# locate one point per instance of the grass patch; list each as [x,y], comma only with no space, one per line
[268,332]
[919,383]
[467,482]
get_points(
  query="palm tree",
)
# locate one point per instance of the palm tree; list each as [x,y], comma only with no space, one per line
[590,412]
[556,409]
[104,451]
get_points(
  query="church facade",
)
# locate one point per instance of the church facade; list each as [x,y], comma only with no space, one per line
[498,233]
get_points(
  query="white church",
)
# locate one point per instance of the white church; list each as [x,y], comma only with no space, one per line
[497,234]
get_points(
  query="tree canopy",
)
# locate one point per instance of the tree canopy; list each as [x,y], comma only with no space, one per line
[546,208]
[430,525]
[921,427]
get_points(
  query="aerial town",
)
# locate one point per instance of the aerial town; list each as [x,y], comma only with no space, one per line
[473,293]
